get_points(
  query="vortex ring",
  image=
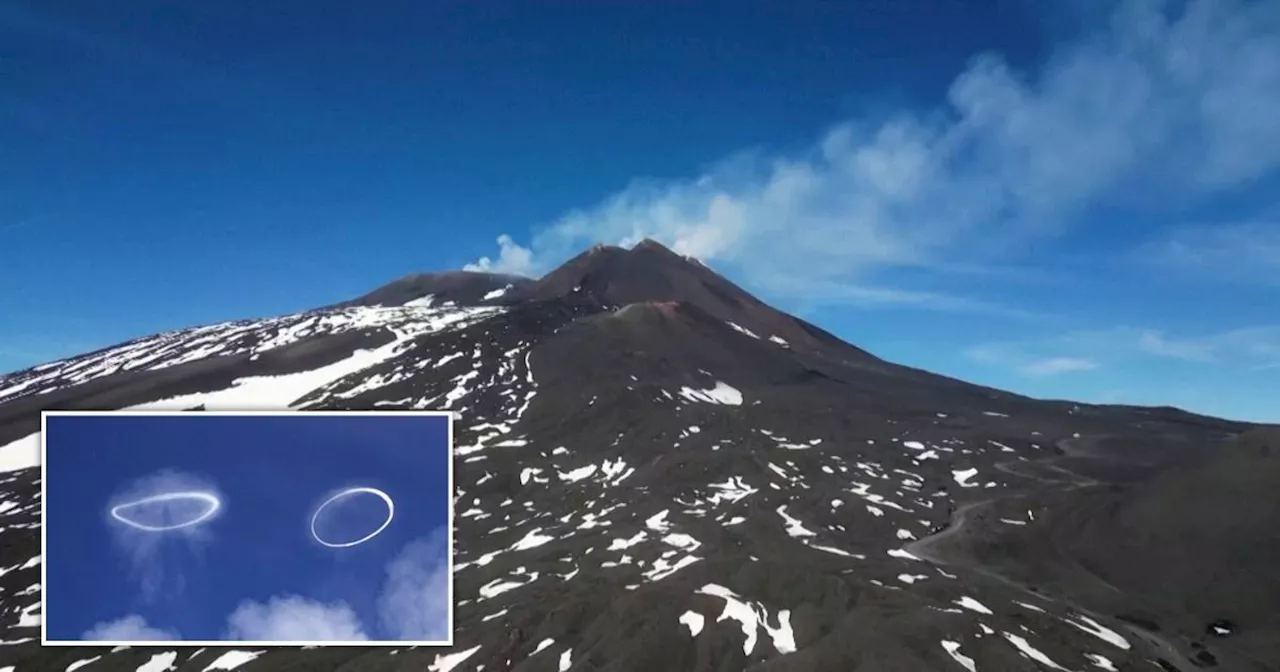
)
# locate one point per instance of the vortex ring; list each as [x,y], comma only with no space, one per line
[213,502]
[391,512]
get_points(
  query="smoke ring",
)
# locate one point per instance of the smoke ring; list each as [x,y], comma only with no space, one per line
[213,502]
[391,512]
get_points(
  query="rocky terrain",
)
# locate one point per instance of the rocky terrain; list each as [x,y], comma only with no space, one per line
[657,471]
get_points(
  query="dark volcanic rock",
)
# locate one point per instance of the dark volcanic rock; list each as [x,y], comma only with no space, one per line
[656,471]
[1201,539]
[650,272]
[460,287]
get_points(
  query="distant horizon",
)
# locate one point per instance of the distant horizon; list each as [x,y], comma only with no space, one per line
[1068,201]
[1264,423]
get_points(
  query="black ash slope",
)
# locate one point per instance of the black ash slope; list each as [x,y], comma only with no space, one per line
[462,287]
[656,471]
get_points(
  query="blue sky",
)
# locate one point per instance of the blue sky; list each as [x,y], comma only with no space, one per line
[252,571]
[1075,202]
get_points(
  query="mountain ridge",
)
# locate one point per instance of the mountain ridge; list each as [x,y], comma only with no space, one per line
[647,480]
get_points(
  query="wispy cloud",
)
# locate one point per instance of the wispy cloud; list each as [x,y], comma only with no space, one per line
[132,628]
[867,295]
[1056,365]
[1254,348]
[1235,251]
[14,225]
[414,604]
[1178,102]
[1026,360]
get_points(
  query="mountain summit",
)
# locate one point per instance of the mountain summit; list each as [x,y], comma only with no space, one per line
[654,470]
[651,272]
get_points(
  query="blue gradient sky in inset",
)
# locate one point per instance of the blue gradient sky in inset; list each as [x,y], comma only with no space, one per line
[253,570]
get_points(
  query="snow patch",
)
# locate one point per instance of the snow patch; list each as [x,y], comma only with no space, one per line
[962,477]
[160,662]
[694,621]
[1024,647]
[445,662]
[233,659]
[720,394]
[751,618]
[496,293]
[1096,629]
[794,527]
[953,650]
[76,665]
[973,605]
[21,454]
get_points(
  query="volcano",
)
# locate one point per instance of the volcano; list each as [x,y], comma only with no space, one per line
[656,471]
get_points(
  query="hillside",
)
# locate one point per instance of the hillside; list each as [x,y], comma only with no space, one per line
[655,470]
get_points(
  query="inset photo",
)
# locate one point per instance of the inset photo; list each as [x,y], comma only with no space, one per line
[263,528]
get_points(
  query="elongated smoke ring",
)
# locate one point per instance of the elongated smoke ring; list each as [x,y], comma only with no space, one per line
[391,513]
[213,502]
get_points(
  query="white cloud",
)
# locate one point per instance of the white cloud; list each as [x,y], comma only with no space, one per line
[1253,348]
[1030,358]
[1244,251]
[874,296]
[1159,102]
[294,618]
[1056,365]
[132,628]
[512,259]
[414,603]
[1156,343]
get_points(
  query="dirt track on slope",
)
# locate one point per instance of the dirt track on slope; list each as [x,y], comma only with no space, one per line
[934,548]
[930,547]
